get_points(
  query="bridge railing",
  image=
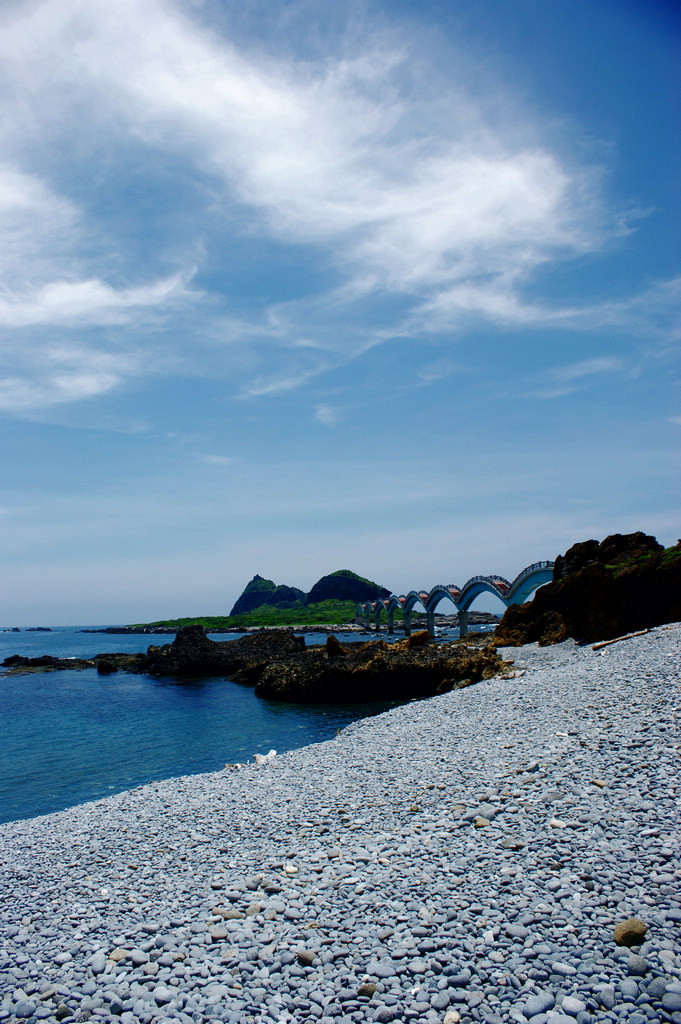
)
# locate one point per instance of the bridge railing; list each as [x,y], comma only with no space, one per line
[497,584]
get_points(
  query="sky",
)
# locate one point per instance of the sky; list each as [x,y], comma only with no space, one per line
[300,286]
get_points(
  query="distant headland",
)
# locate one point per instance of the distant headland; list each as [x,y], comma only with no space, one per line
[332,601]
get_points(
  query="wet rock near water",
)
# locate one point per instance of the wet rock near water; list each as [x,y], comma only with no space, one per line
[281,667]
[415,667]
[193,654]
[17,664]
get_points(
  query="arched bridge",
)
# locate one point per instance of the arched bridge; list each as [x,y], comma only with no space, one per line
[519,590]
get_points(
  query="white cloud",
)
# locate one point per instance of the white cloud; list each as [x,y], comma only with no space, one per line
[57,373]
[586,368]
[327,415]
[422,187]
[407,184]
[20,393]
[86,302]
[564,380]
[37,227]
[217,460]
[278,384]
[439,369]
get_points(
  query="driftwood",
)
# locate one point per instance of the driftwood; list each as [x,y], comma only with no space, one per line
[627,636]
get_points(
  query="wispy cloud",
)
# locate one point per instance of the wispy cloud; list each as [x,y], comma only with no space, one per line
[411,188]
[68,373]
[217,460]
[278,383]
[87,302]
[439,369]
[327,415]
[563,380]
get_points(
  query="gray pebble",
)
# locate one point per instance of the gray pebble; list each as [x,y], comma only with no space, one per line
[348,884]
[629,989]
[637,966]
[24,1008]
[539,1003]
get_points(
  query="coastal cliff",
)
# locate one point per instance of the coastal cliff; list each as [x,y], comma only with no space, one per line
[342,585]
[599,591]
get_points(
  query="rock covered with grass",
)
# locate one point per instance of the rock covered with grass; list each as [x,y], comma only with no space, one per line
[599,591]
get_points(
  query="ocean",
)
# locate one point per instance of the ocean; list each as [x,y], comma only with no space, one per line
[68,737]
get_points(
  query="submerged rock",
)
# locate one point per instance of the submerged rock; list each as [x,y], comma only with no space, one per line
[600,591]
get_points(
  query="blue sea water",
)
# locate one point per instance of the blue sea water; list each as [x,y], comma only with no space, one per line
[72,736]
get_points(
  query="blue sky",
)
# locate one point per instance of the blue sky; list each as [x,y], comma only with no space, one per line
[294,287]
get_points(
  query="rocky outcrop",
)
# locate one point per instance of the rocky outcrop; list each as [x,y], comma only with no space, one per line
[261,591]
[376,671]
[342,585]
[17,664]
[192,654]
[345,585]
[282,668]
[600,591]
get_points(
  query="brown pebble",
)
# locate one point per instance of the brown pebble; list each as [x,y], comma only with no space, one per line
[367,989]
[228,914]
[306,956]
[630,932]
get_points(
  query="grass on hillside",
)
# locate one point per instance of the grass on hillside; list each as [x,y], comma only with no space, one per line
[324,613]
[666,557]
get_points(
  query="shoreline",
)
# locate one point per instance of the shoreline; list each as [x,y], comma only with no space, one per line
[448,621]
[356,863]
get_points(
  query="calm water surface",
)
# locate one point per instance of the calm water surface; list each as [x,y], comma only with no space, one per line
[72,736]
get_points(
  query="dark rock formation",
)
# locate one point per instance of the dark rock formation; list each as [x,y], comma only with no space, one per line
[344,585]
[44,663]
[280,665]
[415,667]
[136,630]
[17,664]
[337,586]
[193,654]
[261,591]
[600,591]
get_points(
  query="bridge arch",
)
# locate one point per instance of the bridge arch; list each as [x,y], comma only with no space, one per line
[515,592]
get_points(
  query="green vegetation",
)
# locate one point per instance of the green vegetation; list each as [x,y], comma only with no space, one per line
[323,613]
[287,606]
[670,555]
[662,558]
[349,575]
[207,621]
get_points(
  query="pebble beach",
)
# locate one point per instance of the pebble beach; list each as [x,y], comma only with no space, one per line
[463,858]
